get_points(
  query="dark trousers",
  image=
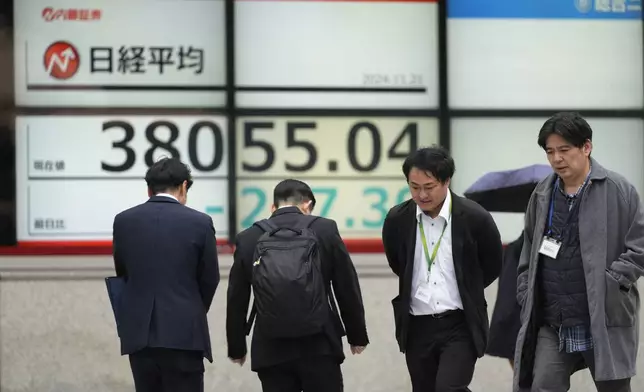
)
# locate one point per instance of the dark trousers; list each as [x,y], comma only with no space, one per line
[312,374]
[167,370]
[552,368]
[440,353]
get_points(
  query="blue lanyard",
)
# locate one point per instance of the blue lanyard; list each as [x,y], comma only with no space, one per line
[552,201]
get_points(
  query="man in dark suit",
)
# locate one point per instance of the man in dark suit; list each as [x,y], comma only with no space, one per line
[310,363]
[445,250]
[167,253]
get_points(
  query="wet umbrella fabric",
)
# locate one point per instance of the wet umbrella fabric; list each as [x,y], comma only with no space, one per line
[507,191]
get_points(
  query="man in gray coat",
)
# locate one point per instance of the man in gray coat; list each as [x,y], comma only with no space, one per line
[582,254]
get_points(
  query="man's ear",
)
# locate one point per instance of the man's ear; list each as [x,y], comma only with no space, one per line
[273,208]
[588,147]
[306,207]
[150,194]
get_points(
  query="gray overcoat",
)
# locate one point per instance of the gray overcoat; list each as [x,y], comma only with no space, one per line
[611,231]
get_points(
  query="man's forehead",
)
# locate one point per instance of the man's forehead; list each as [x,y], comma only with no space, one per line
[424,178]
[557,142]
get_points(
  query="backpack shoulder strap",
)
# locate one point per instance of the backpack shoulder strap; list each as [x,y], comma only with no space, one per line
[266,225]
[311,221]
[306,221]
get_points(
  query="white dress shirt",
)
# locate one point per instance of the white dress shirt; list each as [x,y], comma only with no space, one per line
[166,195]
[441,286]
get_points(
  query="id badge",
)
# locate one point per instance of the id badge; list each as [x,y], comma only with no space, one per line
[550,247]
[422,293]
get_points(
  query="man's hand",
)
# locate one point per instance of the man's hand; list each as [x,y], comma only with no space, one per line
[240,361]
[357,349]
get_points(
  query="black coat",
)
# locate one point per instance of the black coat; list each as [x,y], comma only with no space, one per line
[477,252]
[168,255]
[338,271]
[506,320]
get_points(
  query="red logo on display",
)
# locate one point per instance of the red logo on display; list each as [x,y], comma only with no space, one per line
[61,60]
[50,14]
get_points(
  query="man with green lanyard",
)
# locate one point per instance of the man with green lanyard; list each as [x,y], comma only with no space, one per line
[423,238]
[445,250]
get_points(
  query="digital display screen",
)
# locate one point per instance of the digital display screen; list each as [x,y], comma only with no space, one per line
[353,165]
[119,53]
[506,54]
[75,173]
[337,54]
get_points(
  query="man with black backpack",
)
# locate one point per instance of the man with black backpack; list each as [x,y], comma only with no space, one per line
[295,263]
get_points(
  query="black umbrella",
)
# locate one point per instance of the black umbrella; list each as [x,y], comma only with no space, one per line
[507,191]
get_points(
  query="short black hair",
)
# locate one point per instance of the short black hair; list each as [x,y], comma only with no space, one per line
[435,160]
[294,192]
[571,126]
[167,174]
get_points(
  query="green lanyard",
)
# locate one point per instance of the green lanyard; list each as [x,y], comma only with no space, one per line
[430,259]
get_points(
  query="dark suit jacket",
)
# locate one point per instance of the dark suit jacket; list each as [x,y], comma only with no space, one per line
[477,252]
[168,254]
[506,319]
[338,271]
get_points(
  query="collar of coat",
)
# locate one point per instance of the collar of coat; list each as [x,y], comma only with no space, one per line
[598,173]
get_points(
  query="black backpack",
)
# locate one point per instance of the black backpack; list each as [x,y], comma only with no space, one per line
[291,299]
